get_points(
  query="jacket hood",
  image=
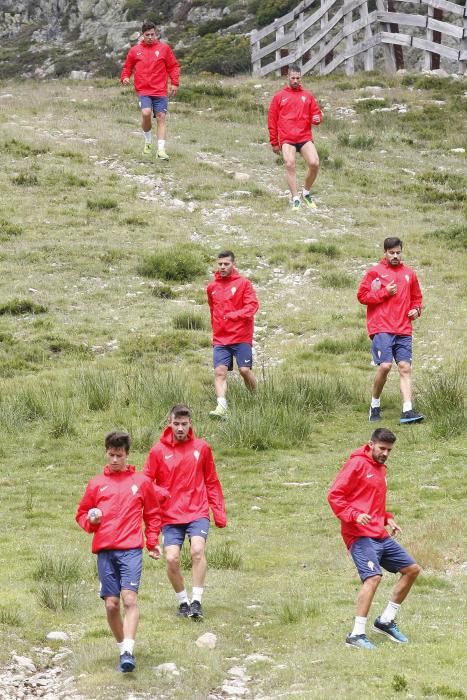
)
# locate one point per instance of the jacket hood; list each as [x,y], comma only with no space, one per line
[391,267]
[234,275]
[109,472]
[167,437]
[294,90]
[365,452]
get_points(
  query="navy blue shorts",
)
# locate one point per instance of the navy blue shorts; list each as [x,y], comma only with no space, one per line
[119,569]
[224,355]
[158,104]
[385,347]
[298,146]
[370,554]
[175,534]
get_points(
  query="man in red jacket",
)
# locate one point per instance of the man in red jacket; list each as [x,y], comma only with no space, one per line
[291,113]
[153,63]
[392,295]
[233,304]
[111,510]
[183,464]
[358,498]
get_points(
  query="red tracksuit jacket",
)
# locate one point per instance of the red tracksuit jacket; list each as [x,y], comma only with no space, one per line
[125,499]
[233,304]
[187,470]
[385,313]
[290,114]
[151,66]
[360,487]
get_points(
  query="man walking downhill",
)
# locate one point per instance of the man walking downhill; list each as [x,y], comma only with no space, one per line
[392,295]
[112,507]
[183,464]
[358,498]
[292,113]
[153,63]
[233,303]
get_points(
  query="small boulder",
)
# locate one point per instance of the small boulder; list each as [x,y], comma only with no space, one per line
[208,640]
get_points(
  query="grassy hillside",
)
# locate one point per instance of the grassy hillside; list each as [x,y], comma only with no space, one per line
[98,332]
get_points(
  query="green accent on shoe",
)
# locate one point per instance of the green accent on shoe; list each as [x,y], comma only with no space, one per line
[162,155]
[147,150]
[219,412]
[308,199]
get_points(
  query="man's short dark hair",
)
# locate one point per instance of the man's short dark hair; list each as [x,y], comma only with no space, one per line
[180,410]
[383,435]
[392,242]
[294,68]
[147,26]
[226,254]
[118,439]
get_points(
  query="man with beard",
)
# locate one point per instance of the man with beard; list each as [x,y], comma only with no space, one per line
[392,295]
[291,114]
[358,498]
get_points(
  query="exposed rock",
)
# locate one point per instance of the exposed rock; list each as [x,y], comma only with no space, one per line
[169,669]
[208,640]
[58,636]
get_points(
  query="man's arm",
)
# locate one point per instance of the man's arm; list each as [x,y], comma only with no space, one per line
[173,70]
[373,291]
[250,304]
[273,115]
[127,69]
[87,502]
[315,112]
[416,298]
[213,488]
[151,517]
[340,493]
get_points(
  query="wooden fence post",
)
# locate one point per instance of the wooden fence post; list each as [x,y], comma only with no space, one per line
[368,56]
[463,43]
[349,63]
[389,58]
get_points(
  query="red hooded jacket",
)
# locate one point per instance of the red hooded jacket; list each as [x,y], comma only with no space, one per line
[187,470]
[385,313]
[152,65]
[290,114]
[360,487]
[125,499]
[233,304]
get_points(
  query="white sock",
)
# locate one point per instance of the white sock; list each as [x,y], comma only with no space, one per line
[406,406]
[161,144]
[359,626]
[197,593]
[182,597]
[296,198]
[305,192]
[375,403]
[120,646]
[389,615]
[222,401]
[147,136]
[128,645]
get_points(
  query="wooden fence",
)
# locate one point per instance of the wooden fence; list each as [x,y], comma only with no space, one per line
[324,34]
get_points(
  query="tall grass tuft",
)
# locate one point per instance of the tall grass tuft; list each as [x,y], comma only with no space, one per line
[224,556]
[99,388]
[59,575]
[443,402]
[181,263]
[190,321]
[294,611]
[18,307]
[156,391]
[9,617]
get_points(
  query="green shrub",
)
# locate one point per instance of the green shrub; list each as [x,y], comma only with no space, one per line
[163,291]
[399,683]
[337,280]
[369,105]
[22,149]
[9,617]
[26,179]
[18,307]
[328,249]
[268,10]
[443,401]
[190,321]
[101,203]
[9,230]
[182,263]
[454,236]
[227,55]
[357,343]
[360,142]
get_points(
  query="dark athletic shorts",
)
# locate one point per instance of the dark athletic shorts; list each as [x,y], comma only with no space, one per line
[298,146]
[385,347]
[119,569]
[175,534]
[370,554]
[158,104]
[224,355]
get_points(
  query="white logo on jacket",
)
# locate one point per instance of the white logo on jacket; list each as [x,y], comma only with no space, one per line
[303,98]
[234,289]
[407,278]
[134,489]
[157,53]
[102,488]
[168,456]
[196,454]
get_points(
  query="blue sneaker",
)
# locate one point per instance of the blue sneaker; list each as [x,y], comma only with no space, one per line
[375,414]
[411,417]
[360,641]
[391,630]
[127,662]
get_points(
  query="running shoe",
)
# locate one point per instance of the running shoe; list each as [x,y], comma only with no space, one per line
[147,150]
[183,610]
[295,204]
[411,417]
[360,641]
[196,611]
[308,199]
[219,412]
[161,154]
[127,662]
[375,414]
[391,630]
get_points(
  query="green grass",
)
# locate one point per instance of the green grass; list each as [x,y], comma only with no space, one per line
[104,325]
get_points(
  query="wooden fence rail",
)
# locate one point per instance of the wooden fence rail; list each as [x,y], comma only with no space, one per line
[325,34]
